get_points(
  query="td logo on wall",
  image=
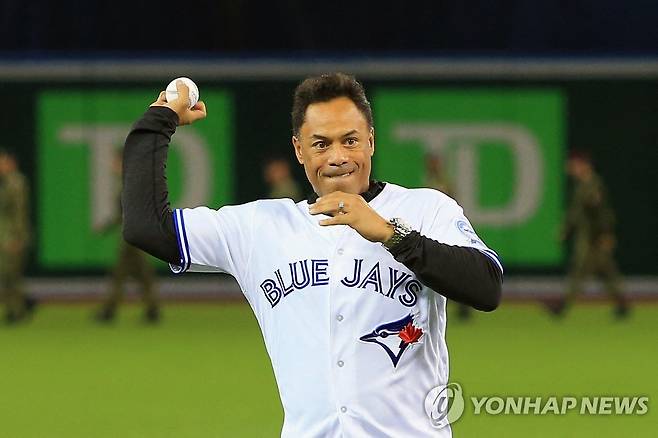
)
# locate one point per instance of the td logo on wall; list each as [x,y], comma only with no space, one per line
[500,152]
[80,136]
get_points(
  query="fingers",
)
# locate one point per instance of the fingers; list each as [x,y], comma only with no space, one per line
[337,205]
[200,108]
[339,219]
[330,206]
[334,203]
[197,112]
[161,100]
[183,93]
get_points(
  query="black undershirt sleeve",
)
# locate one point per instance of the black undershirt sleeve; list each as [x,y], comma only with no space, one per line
[148,223]
[459,273]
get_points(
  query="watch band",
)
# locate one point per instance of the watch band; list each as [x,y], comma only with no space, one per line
[400,231]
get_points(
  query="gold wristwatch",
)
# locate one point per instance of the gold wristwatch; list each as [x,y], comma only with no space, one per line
[400,231]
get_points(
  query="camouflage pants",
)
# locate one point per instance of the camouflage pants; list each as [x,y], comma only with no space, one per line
[131,262]
[591,260]
[11,282]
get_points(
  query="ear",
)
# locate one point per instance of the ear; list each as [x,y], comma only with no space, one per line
[371,141]
[297,145]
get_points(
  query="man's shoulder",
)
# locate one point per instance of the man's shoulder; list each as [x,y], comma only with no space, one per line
[244,215]
[16,181]
[420,194]
[591,187]
[277,204]
[253,206]
[264,206]
[598,182]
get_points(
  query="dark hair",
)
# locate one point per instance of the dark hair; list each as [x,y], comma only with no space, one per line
[325,88]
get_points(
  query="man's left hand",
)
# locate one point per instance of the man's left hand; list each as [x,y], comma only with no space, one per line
[354,211]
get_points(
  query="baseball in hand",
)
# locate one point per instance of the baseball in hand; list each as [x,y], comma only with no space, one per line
[172,93]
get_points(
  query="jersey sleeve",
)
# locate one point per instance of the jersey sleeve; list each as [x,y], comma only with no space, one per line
[214,240]
[452,227]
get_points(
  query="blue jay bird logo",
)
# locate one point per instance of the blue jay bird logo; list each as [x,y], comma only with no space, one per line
[394,337]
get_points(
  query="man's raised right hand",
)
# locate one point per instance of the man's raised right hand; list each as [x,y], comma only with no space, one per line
[180,105]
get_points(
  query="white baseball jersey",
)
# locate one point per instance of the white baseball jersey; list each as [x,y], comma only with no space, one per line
[355,339]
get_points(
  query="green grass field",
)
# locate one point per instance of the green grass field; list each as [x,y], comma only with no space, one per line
[204,372]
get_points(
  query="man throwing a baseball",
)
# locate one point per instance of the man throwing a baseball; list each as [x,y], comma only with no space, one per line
[349,286]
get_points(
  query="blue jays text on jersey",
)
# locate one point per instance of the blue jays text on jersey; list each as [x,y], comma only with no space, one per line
[391,283]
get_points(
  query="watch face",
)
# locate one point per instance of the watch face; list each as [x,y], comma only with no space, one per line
[400,231]
[400,226]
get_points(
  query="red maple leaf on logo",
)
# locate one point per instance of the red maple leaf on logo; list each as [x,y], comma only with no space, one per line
[410,334]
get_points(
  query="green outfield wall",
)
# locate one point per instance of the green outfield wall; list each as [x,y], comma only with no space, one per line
[503,144]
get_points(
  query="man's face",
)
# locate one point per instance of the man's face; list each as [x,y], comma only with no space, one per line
[335,145]
[576,167]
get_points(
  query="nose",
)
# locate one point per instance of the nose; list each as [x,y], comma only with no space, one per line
[337,155]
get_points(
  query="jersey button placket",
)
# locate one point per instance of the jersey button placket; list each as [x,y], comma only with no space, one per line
[338,331]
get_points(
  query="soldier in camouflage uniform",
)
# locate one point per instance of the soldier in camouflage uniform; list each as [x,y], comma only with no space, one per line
[435,175]
[130,262]
[14,238]
[280,181]
[590,225]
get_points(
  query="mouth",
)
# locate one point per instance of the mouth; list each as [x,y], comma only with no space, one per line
[340,175]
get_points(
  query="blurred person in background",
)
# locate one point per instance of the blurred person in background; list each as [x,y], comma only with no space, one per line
[279,180]
[14,239]
[589,225]
[130,262]
[436,177]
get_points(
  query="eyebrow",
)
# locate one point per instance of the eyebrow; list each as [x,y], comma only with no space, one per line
[322,137]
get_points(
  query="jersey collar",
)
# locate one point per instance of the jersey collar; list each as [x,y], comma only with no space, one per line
[374,189]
